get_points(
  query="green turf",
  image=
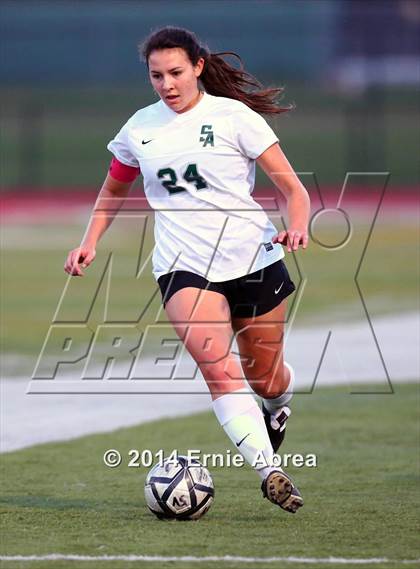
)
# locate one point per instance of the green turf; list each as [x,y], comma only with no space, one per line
[33,279]
[361,500]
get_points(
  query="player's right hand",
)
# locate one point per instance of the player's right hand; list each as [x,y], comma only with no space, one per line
[79,259]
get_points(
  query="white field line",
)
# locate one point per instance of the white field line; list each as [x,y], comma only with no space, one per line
[216,559]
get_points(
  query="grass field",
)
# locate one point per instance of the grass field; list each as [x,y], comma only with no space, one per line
[362,499]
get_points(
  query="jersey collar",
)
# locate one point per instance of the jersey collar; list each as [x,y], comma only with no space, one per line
[195,111]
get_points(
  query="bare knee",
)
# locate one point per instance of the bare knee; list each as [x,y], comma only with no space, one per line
[272,385]
[223,376]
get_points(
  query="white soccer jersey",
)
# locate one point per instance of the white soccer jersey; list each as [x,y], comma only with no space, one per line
[199,172]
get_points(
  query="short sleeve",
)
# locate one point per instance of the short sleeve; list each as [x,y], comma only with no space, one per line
[253,134]
[120,148]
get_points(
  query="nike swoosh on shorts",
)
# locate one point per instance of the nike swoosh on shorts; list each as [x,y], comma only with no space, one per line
[277,290]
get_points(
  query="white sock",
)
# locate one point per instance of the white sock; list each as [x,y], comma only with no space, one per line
[243,422]
[259,418]
[275,406]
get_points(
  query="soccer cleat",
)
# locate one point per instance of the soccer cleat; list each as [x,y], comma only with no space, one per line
[276,425]
[280,490]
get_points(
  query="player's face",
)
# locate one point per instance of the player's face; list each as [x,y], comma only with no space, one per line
[174,78]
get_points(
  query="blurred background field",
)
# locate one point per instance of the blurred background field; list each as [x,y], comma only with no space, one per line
[34,280]
[71,77]
[57,137]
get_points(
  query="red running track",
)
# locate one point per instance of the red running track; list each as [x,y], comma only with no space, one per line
[59,203]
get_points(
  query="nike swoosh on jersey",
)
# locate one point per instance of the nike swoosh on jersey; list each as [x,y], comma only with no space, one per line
[242,440]
[277,290]
[146,141]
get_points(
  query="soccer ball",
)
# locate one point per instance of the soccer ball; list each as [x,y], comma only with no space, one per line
[179,489]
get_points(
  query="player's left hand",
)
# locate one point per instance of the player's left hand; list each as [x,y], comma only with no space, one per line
[292,238]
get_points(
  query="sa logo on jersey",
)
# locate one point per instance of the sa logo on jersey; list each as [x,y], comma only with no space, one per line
[207,135]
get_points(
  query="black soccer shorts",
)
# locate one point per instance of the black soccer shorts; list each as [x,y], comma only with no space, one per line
[248,296]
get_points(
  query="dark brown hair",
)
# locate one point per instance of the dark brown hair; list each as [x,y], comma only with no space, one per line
[218,77]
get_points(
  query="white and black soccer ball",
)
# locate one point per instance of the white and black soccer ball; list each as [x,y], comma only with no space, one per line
[179,489]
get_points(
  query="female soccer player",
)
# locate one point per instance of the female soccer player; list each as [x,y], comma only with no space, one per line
[217,257]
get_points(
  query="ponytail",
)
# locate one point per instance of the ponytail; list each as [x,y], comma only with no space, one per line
[218,77]
[221,79]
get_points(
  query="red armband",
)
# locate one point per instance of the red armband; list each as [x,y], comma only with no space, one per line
[122,172]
